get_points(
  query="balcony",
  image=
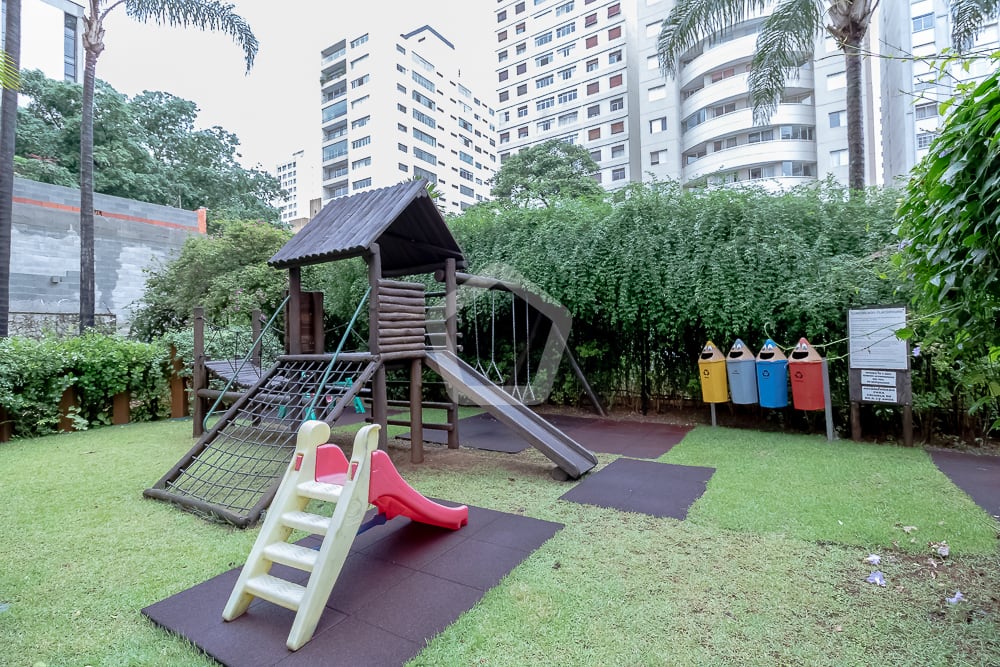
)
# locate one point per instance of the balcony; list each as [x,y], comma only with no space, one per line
[727,53]
[751,155]
[742,120]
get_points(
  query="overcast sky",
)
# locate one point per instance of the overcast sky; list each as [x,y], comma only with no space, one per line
[275,109]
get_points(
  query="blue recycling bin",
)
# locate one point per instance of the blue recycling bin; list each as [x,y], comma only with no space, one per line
[772,376]
[741,368]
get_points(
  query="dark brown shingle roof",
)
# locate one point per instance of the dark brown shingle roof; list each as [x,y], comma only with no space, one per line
[410,230]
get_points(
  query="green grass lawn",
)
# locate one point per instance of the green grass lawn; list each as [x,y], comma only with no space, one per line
[767,569]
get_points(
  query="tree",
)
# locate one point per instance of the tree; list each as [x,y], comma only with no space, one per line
[9,66]
[949,222]
[542,173]
[968,18]
[204,14]
[786,40]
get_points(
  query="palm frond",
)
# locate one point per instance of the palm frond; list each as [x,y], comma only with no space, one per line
[692,20]
[785,41]
[10,77]
[209,15]
[968,18]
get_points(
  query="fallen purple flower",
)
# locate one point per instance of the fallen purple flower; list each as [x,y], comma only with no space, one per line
[955,600]
[876,577]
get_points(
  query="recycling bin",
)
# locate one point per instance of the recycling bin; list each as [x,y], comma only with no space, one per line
[805,368]
[741,371]
[772,376]
[712,370]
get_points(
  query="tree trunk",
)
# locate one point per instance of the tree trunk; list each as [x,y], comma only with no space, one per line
[855,115]
[8,125]
[93,44]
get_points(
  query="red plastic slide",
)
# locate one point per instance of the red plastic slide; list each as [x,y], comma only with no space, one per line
[394,497]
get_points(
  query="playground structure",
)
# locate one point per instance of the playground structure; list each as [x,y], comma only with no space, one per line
[234,469]
[321,472]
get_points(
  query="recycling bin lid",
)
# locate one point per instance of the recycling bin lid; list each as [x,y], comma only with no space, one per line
[804,353]
[711,353]
[739,352]
[771,352]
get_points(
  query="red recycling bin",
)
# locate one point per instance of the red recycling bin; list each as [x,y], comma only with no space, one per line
[805,370]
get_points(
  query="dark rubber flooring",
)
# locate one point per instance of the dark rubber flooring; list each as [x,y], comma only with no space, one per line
[402,584]
[644,440]
[977,475]
[646,487]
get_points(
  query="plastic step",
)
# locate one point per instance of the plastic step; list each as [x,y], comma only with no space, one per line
[306,521]
[320,490]
[292,555]
[278,591]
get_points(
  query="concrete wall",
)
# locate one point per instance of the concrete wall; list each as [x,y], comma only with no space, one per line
[129,236]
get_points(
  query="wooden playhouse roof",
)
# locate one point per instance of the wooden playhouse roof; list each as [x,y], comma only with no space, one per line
[409,229]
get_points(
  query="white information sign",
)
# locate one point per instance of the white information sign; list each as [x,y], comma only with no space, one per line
[873,342]
[878,394]
[879,378]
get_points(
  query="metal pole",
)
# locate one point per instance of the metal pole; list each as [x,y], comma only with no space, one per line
[827,403]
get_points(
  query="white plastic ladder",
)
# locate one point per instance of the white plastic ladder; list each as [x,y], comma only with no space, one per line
[287,512]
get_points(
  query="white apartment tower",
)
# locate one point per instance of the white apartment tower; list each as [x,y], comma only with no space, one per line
[586,71]
[51,37]
[299,179]
[394,107]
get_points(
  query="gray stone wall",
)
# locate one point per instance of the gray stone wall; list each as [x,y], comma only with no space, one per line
[129,236]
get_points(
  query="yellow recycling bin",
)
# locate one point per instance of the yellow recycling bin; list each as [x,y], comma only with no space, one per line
[712,370]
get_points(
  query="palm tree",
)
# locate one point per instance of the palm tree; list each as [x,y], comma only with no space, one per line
[968,17]
[786,40]
[204,14]
[9,81]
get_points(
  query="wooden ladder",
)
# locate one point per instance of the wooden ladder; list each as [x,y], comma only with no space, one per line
[348,490]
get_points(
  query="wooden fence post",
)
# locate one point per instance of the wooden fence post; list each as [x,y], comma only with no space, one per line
[178,391]
[66,404]
[121,411]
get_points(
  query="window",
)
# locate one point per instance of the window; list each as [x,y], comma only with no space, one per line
[836,81]
[695,119]
[466,191]
[757,137]
[658,125]
[589,20]
[363,162]
[566,30]
[519,28]
[355,43]
[544,38]
[593,111]
[544,125]
[615,81]
[360,122]
[615,33]
[401,88]
[691,158]
[428,176]
[363,141]
[334,111]
[618,104]
[722,144]
[504,137]
[522,89]
[618,174]
[544,103]
[520,48]
[360,81]
[654,157]
[545,81]
[502,75]
[464,124]
[614,10]
[595,155]
[402,167]
[723,109]
[597,176]
[501,16]
[424,81]
[424,118]
[923,111]
[363,183]
[400,107]
[504,95]
[522,68]
[502,56]
[923,22]
[466,174]
[567,96]
[424,137]
[801,132]
[838,158]
[789,168]
[567,73]
[333,151]
[543,60]
[721,74]
[564,8]
[403,148]
[522,111]
[423,99]
[615,57]
[519,8]
[592,65]
[657,93]
[838,118]
[502,36]
[618,151]
[401,49]
[567,118]
[401,127]
[618,127]
[593,88]
[522,132]
[426,156]
[593,133]
[565,51]
[924,140]
[591,41]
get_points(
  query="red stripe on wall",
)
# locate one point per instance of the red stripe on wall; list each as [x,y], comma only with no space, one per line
[104,214]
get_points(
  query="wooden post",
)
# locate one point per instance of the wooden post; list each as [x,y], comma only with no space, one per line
[451,339]
[827,403]
[908,425]
[318,326]
[199,377]
[855,420]
[178,394]
[379,393]
[66,404]
[416,411]
[6,426]
[293,316]
[121,412]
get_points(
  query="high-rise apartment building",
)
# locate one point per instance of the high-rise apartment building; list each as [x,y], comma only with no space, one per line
[299,180]
[51,37]
[394,107]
